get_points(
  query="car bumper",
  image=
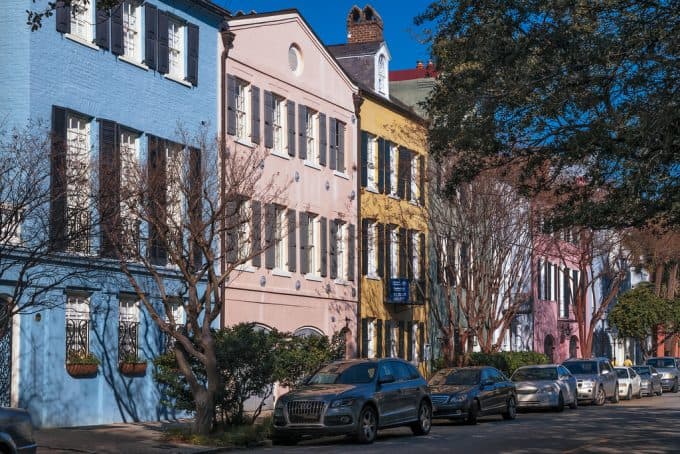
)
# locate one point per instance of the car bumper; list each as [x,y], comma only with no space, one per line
[667,383]
[537,400]
[451,411]
[334,422]
[30,449]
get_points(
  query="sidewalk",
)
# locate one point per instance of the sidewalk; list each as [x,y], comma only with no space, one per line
[115,438]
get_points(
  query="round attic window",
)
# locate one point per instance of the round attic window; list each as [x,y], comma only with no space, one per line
[295,59]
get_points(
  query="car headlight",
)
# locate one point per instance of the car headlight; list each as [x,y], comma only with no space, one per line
[547,389]
[458,398]
[342,403]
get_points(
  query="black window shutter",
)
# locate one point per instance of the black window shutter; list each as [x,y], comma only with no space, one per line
[351,250]
[388,338]
[324,246]
[566,291]
[364,159]
[109,186]
[302,134]
[150,35]
[256,232]
[58,183]
[401,174]
[102,28]
[538,280]
[385,152]
[409,255]
[332,144]
[163,50]
[379,338]
[333,244]
[269,236]
[63,13]
[323,139]
[402,252]
[290,123]
[365,226]
[292,246]
[117,30]
[400,347]
[231,105]
[421,167]
[158,187]
[408,176]
[233,223]
[409,341]
[423,271]
[192,54]
[382,233]
[304,237]
[255,114]
[421,341]
[341,147]
[364,337]
[268,119]
[196,203]
[381,165]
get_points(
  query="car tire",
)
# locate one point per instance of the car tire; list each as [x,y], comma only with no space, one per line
[424,423]
[639,394]
[674,389]
[367,428]
[473,413]
[510,409]
[660,392]
[560,403]
[285,440]
[615,398]
[629,394]
[600,397]
[574,404]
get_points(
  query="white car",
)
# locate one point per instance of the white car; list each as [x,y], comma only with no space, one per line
[629,383]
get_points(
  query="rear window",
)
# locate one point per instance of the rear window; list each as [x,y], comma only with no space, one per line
[642,370]
[535,373]
[622,373]
[661,362]
[581,367]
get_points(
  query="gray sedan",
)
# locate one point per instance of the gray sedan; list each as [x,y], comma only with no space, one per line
[546,386]
[16,431]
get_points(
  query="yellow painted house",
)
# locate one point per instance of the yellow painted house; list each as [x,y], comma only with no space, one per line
[393,303]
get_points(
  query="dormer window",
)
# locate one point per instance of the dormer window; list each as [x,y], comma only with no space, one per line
[382,74]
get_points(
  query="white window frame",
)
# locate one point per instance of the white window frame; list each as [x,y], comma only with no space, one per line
[415,265]
[280,239]
[415,177]
[11,218]
[370,335]
[131,30]
[372,252]
[129,174]
[242,110]
[174,167]
[414,343]
[382,75]
[394,253]
[78,308]
[82,21]
[312,135]
[176,48]
[394,342]
[371,163]
[279,123]
[312,251]
[340,251]
[128,310]
[394,175]
[78,139]
[243,232]
[178,312]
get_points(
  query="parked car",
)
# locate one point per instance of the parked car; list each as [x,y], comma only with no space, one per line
[355,397]
[470,392]
[595,379]
[546,386]
[629,383]
[667,366]
[650,380]
[16,431]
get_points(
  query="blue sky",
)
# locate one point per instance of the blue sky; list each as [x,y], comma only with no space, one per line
[327,18]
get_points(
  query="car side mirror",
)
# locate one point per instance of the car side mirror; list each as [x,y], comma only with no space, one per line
[386,379]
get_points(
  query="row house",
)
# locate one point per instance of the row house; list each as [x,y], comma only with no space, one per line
[110,87]
[393,231]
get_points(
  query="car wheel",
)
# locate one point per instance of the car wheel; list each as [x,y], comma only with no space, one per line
[615,398]
[560,403]
[368,425]
[674,389]
[511,409]
[639,394]
[424,423]
[473,413]
[600,397]
[285,440]
[574,404]
[629,394]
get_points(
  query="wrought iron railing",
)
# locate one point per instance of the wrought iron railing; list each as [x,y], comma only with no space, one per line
[170,341]
[128,341]
[130,237]
[79,226]
[77,337]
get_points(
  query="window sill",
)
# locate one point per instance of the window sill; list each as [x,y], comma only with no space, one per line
[245,143]
[394,196]
[281,273]
[133,62]
[245,268]
[372,189]
[312,164]
[313,277]
[341,282]
[81,40]
[179,81]
[414,203]
[280,154]
[373,277]
[341,174]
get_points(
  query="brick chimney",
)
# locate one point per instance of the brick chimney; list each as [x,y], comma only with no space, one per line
[364,26]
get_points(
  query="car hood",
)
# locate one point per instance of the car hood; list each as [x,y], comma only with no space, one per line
[451,389]
[667,370]
[319,392]
[586,377]
[532,385]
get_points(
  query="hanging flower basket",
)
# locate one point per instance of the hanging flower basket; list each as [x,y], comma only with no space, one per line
[82,370]
[132,369]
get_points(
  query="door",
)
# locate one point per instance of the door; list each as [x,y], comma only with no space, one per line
[488,394]
[409,392]
[5,354]
[388,394]
[609,378]
[567,384]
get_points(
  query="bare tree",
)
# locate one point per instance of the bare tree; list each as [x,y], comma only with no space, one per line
[482,241]
[200,207]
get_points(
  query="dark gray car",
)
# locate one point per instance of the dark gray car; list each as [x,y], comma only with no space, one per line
[16,431]
[667,366]
[355,397]
[595,379]
[650,380]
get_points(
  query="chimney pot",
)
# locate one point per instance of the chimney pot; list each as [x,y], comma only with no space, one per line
[419,64]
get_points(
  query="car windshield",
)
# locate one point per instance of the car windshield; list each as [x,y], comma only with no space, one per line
[460,377]
[535,373]
[344,374]
[642,370]
[581,367]
[661,362]
[622,373]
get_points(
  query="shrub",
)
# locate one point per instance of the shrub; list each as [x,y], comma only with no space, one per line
[507,362]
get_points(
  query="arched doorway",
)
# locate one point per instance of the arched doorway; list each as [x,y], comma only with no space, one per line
[573,347]
[5,352]
[549,347]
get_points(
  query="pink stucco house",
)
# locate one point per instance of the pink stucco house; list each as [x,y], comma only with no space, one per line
[285,96]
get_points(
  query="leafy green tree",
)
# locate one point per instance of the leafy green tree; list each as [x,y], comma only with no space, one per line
[580,95]
[45,10]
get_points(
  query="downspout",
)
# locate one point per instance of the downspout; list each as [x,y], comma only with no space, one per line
[227,44]
[358,100]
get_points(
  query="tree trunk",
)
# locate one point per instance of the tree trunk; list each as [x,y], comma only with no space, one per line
[205,412]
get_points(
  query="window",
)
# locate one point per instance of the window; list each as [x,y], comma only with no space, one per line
[393,344]
[394,253]
[280,238]
[175,48]
[242,108]
[371,163]
[277,123]
[414,345]
[129,171]
[128,331]
[415,264]
[311,134]
[340,258]
[174,189]
[313,235]
[372,252]
[11,217]
[77,326]
[382,73]
[415,175]
[370,353]
[131,22]
[394,183]
[337,145]
[243,230]
[81,20]
[178,315]
[78,183]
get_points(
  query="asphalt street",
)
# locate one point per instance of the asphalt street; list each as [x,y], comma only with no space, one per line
[648,425]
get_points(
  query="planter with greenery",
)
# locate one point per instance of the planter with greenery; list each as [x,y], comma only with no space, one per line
[82,365]
[132,365]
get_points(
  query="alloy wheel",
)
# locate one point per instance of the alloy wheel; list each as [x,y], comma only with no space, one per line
[368,425]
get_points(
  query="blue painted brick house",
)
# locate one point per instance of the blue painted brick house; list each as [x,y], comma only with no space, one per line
[124,81]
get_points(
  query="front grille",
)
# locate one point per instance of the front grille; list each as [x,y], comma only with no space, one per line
[526,391]
[305,411]
[439,400]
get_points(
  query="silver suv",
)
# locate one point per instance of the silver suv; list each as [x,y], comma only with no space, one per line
[355,397]
[667,366]
[596,380]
